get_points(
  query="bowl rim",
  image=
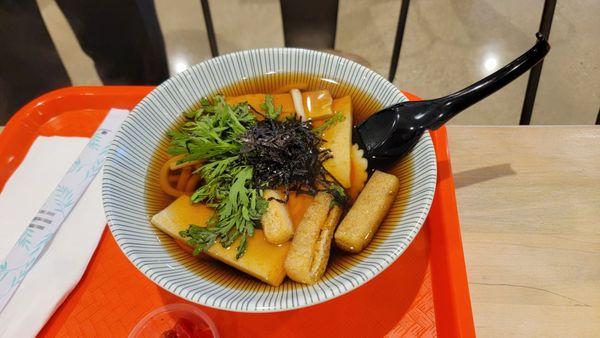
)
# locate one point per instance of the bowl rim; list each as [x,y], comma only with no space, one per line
[418,224]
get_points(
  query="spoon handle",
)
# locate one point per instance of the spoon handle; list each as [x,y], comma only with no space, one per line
[451,105]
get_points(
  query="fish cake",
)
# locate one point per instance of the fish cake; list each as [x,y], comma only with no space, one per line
[276,221]
[307,241]
[372,205]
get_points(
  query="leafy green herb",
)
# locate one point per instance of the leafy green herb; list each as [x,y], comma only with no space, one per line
[272,113]
[238,207]
[336,118]
[213,132]
[213,135]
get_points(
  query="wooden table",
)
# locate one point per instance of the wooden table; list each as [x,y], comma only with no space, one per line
[529,204]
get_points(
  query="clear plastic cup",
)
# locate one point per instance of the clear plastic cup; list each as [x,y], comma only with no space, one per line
[175,321]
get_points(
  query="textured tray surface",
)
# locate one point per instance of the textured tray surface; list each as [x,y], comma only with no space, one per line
[424,293]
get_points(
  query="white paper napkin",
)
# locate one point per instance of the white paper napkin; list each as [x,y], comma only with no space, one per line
[60,268]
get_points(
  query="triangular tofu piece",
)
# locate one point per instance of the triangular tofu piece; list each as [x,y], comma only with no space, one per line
[262,260]
[338,138]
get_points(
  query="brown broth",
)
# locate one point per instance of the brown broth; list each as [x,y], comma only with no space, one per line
[363,105]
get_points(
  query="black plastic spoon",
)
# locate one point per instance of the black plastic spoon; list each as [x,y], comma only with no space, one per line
[392,132]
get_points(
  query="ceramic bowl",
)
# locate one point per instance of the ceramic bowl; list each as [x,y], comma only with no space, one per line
[131,194]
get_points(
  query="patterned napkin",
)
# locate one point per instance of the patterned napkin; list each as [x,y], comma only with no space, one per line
[60,268]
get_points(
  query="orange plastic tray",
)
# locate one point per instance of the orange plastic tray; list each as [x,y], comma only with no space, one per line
[424,293]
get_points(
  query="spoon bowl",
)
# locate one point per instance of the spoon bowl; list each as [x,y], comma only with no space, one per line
[392,132]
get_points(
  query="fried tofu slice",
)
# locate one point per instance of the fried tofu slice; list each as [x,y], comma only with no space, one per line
[338,139]
[309,252]
[262,260]
[362,220]
[276,221]
[317,104]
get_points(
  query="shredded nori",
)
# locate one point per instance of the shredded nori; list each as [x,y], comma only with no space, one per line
[288,154]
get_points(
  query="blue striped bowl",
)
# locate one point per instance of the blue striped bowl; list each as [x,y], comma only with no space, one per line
[131,194]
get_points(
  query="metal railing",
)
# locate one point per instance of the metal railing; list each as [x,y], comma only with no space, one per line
[536,71]
[298,13]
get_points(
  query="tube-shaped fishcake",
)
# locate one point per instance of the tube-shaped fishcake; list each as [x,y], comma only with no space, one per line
[276,222]
[362,221]
[323,247]
[309,252]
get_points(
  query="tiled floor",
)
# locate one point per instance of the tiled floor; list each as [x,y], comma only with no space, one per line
[448,44]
